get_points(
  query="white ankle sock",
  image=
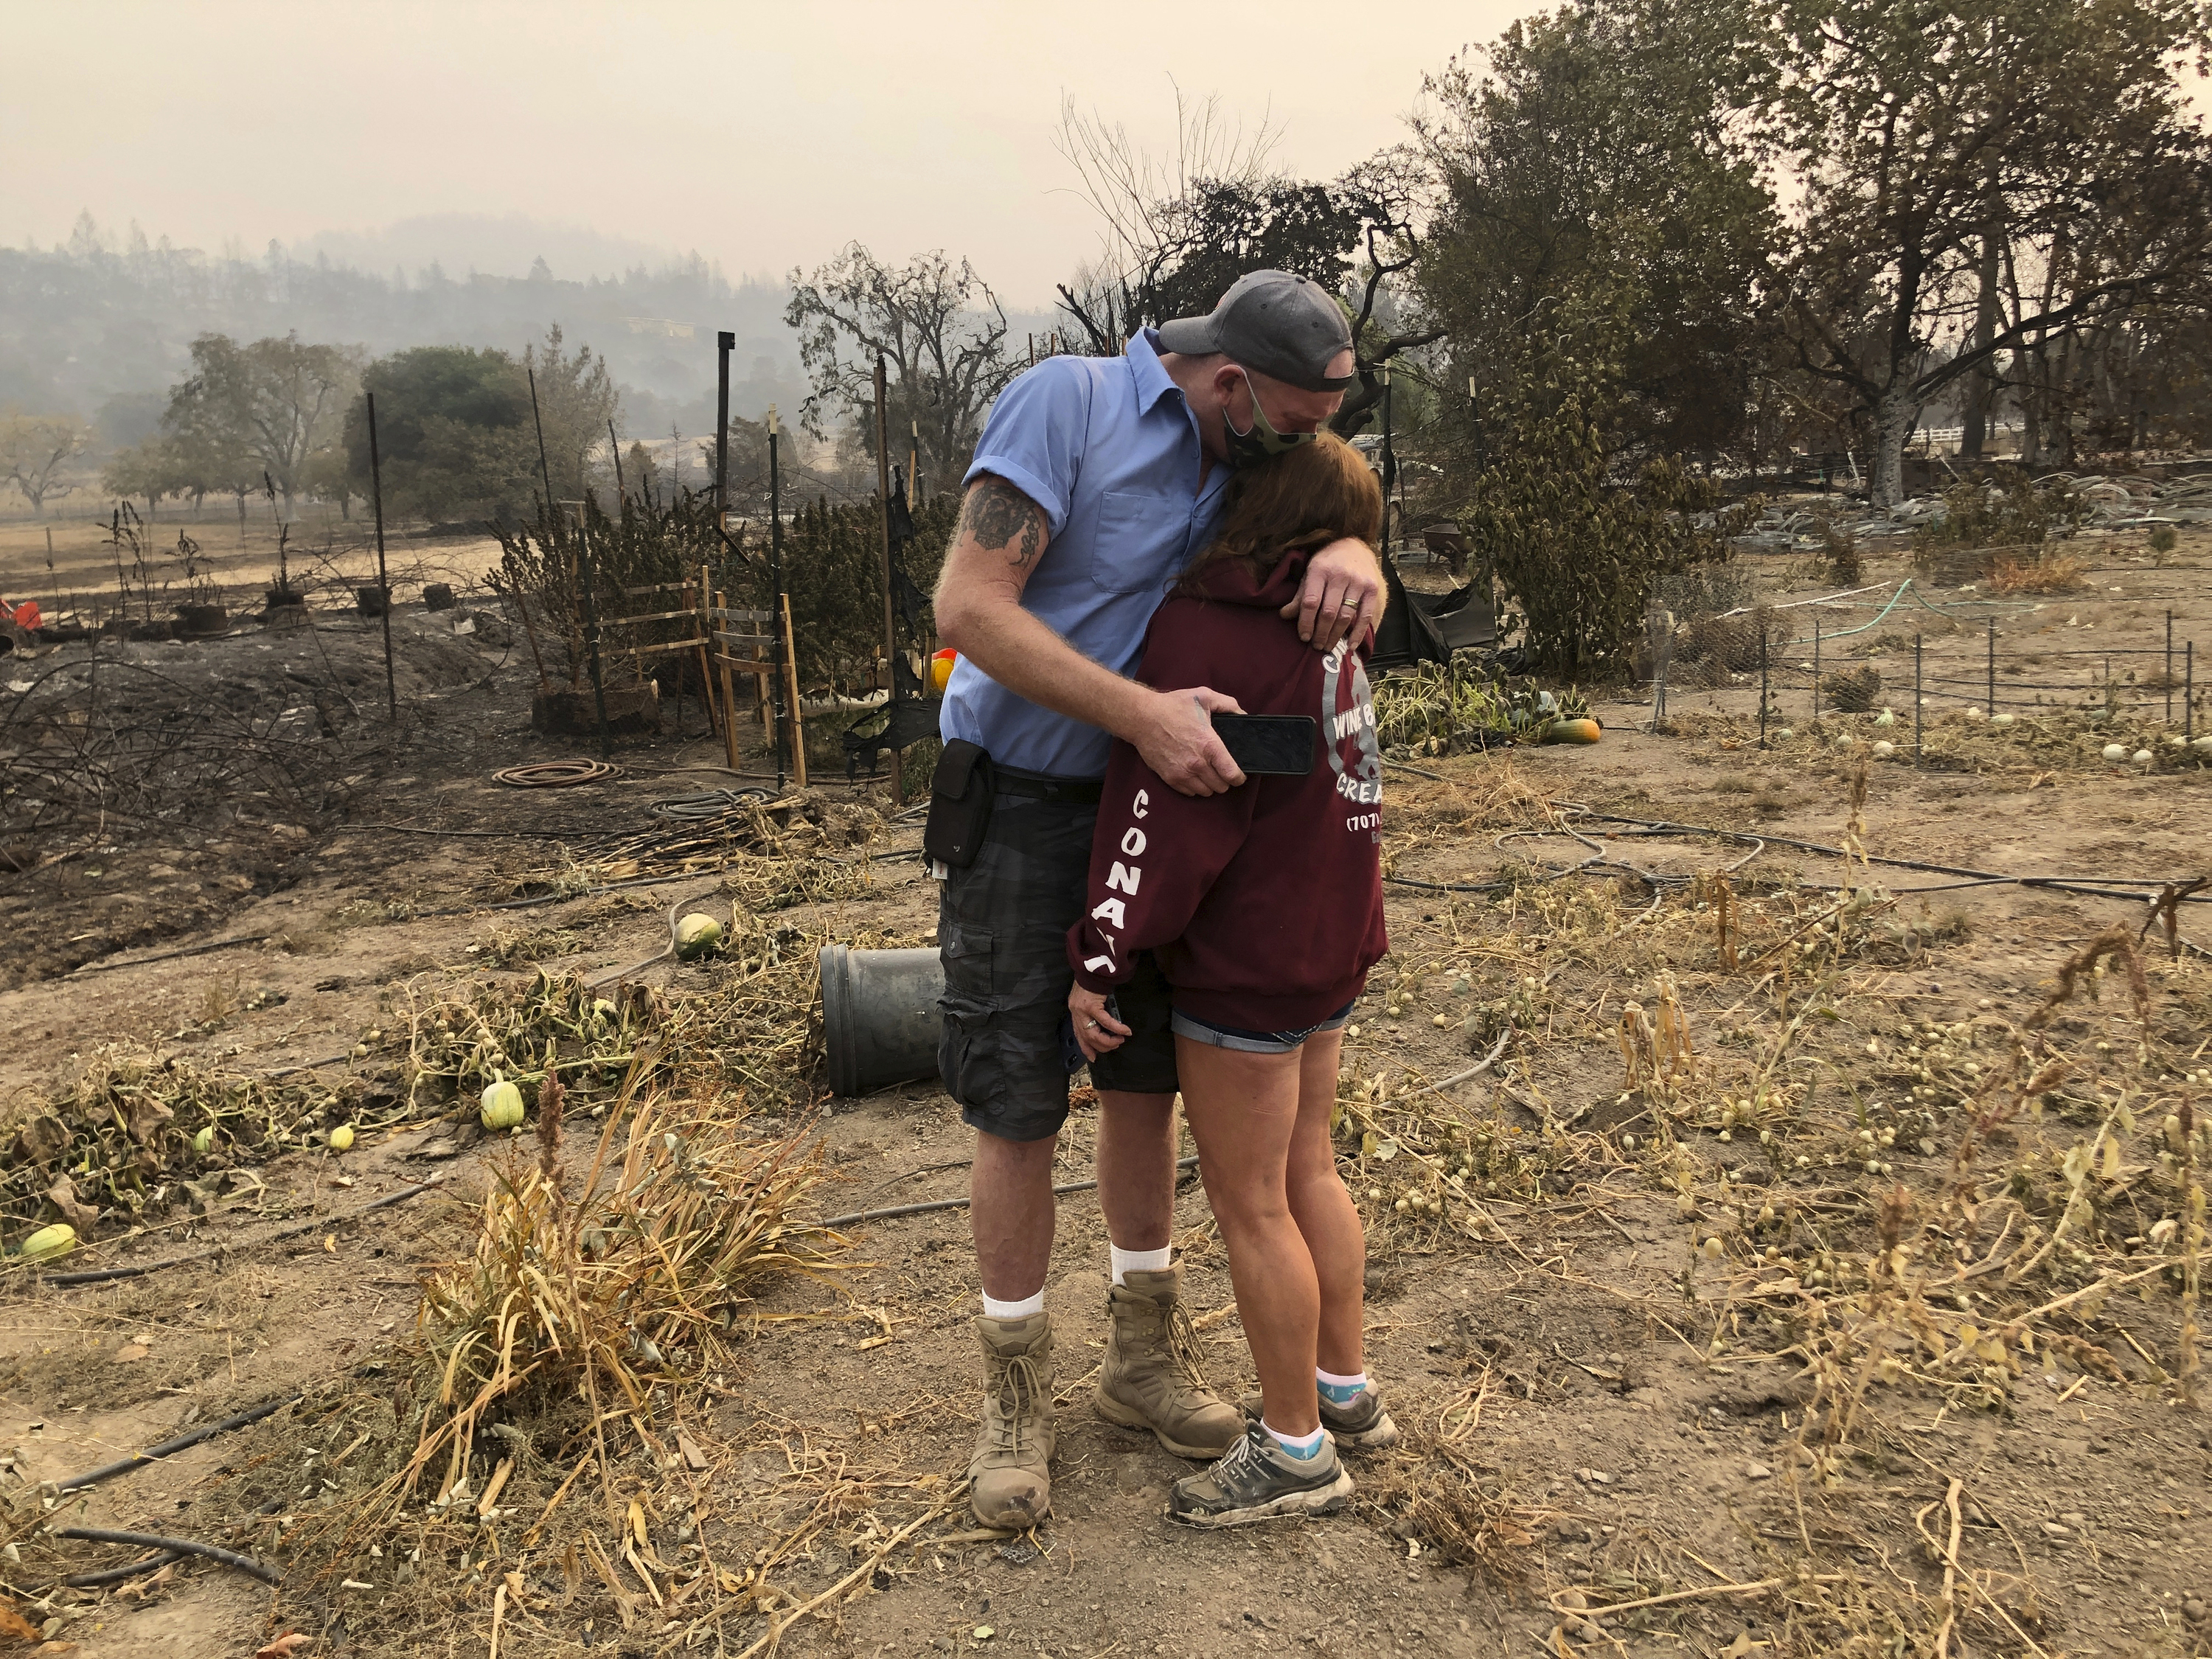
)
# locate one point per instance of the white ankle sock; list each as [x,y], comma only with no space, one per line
[1340,1390]
[994,1308]
[1138,1261]
[1300,1446]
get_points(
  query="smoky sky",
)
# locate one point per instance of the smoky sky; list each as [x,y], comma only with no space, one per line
[762,137]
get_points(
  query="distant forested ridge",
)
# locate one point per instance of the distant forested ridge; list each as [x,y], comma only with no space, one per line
[102,326]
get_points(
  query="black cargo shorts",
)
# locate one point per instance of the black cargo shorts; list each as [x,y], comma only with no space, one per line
[1002,931]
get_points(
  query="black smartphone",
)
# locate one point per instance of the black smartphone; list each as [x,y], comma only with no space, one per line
[1071,1051]
[1269,746]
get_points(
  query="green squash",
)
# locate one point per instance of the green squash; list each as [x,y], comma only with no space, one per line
[501,1107]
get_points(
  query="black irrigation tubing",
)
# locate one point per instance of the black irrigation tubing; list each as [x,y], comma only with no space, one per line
[421,830]
[153,1562]
[169,956]
[704,805]
[154,1454]
[667,950]
[307,1065]
[2092,651]
[245,1563]
[1460,886]
[103,1276]
[897,1210]
[1654,879]
[667,771]
[504,904]
[581,892]
[2031,686]
[2081,884]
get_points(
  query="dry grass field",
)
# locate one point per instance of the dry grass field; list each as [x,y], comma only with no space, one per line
[1783,1171]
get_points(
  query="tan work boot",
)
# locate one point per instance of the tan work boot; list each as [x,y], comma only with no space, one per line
[1152,1378]
[1010,1476]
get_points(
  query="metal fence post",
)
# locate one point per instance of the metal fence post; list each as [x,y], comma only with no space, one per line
[2169,667]
[1762,686]
[1916,700]
[1992,708]
[592,631]
[383,580]
[1816,668]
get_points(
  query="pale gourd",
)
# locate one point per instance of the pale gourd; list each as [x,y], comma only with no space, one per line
[342,1137]
[695,936]
[501,1107]
[48,1242]
[2115,753]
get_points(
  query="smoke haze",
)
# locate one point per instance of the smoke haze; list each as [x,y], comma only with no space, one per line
[762,138]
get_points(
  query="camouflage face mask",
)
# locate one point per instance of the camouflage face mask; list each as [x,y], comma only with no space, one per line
[1260,442]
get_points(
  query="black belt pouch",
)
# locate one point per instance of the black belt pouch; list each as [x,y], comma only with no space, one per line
[959,805]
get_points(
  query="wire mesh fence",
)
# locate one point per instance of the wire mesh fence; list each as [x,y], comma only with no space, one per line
[1889,651]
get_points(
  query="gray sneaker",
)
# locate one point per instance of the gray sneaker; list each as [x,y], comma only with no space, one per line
[1362,1426]
[1256,1480]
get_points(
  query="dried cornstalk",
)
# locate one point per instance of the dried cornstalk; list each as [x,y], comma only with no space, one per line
[1674,1032]
[1639,1048]
[1714,889]
[2192,1245]
[2113,944]
[2165,914]
[1855,829]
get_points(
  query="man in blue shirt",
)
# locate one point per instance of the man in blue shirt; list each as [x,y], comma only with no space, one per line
[1096,483]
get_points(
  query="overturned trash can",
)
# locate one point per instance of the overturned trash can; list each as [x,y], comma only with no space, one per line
[880,1017]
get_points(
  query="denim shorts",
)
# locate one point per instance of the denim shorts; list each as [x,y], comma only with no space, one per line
[1254,1042]
[1002,935]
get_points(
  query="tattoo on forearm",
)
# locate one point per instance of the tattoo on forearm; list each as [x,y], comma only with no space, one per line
[999,516]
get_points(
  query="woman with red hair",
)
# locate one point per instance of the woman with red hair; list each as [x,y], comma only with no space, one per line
[1262,907]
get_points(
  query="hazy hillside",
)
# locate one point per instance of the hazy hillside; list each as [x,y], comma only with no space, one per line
[104,323]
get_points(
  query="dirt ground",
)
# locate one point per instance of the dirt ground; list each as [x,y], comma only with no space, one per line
[1650,1346]
[70,562]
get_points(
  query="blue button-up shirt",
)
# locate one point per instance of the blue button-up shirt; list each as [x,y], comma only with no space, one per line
[1109,447]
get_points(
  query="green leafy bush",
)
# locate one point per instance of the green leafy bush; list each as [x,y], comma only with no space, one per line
[2013,511]
[1579,552]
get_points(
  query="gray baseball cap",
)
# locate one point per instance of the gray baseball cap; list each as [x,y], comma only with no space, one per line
[1283,326]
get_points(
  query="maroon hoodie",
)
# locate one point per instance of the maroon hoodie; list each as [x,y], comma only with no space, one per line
[1264,905]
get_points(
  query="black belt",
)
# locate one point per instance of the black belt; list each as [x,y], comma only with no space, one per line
[1062,792]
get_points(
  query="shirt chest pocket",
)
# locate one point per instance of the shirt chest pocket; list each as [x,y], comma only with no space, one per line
[1142,541]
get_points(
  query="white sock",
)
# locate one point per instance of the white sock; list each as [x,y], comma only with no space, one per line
[994,1308]
[1138,1261]
[1300,1446]
[1340,1390]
